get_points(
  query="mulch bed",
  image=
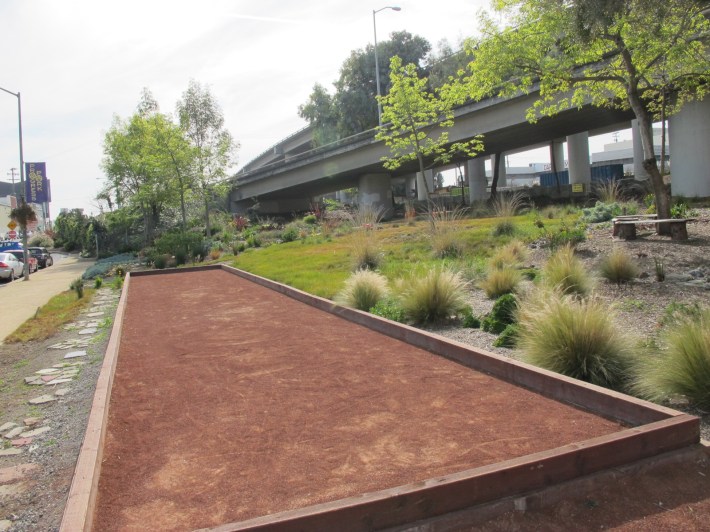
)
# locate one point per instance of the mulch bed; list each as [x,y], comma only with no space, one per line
[231,401]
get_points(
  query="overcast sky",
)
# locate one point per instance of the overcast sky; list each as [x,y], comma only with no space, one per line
[77,63]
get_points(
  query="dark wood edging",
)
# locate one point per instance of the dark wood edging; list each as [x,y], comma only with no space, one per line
[607,403]
[79,510]
[442,495]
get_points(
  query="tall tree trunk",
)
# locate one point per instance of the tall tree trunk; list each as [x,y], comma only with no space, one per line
[420,159]
[208,229]
[496,173]
[663,201]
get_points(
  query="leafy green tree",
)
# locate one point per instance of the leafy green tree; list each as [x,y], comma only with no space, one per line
[202,121]
[137,166]
[69,228]
[416,122]
[353,106]
[628,54]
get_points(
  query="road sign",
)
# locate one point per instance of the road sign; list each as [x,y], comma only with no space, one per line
[12,225]
[12,234]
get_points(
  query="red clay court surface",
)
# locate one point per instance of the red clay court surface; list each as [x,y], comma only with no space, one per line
[231,401]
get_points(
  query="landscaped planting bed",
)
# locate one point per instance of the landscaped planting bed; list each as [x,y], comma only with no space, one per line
[231,400]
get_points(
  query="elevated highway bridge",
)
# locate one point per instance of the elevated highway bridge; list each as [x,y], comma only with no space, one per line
[288,176]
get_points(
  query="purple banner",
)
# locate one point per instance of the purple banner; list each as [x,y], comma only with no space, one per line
[36,187]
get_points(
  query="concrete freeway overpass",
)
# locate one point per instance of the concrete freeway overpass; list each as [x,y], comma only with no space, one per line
[287,177]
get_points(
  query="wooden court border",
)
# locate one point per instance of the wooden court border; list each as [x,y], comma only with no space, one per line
[654,430]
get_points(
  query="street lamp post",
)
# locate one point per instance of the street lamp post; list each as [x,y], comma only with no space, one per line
[26,275]
[377,65]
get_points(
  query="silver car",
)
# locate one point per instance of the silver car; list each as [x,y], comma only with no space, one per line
[10,267]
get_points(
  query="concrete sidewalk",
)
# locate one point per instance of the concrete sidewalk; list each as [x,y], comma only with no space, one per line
[21,299]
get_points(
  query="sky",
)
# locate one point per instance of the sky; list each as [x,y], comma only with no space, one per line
[80,63]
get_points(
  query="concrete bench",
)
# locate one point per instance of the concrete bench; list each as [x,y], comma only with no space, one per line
[625,227]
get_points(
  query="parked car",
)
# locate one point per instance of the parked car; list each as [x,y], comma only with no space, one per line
[20,255]
[10,267]
[44,258]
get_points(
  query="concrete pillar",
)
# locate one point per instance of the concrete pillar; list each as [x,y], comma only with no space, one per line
[476,177]
[689,133]
[578,159]
[557,155]
[639,173]
[375,191]
[502,181]
[421,189]
[411,186]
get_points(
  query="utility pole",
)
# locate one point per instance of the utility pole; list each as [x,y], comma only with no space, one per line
[11,173]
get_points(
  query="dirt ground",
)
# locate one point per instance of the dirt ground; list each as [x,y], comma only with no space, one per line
[209,428]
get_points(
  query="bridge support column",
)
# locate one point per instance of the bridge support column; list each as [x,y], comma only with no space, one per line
[421,189]
[375,192]
[689,131]
[476,176]
[578,155]
[557,155]
[502,176]
[639,173]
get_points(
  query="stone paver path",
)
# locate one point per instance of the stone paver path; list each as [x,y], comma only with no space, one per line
[15,437]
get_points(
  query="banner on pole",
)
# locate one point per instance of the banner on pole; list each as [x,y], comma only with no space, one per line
[36,187]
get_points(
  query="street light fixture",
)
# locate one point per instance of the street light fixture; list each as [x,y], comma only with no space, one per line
[377,65]
[26,275]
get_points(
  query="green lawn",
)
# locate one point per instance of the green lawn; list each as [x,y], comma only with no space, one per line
[320,265]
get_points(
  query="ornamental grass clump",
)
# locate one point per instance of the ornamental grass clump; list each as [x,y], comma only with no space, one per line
[575,337]
[563,271]
[445,239]
[437,296]
[363,290]
[501,281]
[618,267]
[683,368]
[511,255]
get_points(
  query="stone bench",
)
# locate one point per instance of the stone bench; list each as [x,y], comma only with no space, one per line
[625,227]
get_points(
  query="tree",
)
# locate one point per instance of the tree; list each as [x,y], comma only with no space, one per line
[416,122]
[137,165]
[628,54]
[353,106]
[202,121]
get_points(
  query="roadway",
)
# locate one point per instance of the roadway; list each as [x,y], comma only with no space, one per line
[20,299]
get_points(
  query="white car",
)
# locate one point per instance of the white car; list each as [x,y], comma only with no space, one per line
[10,267]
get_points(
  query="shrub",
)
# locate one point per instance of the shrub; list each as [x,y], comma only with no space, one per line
[253,241]
[180,257]
[186,243]
[500,281]
[290,233]
[215,253]
[470,320]
[117,283]
[239,247]
[389,308]
[78,286]
[310,219]
[618,267]
[501,315]
[575,337]
[160,261]
[42,240]
[105,265]
[601,212]
[363,290]
[509,336]
[684,368]
[98,281]
[565,236]
[505,227]
[436,296]
[566,273]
